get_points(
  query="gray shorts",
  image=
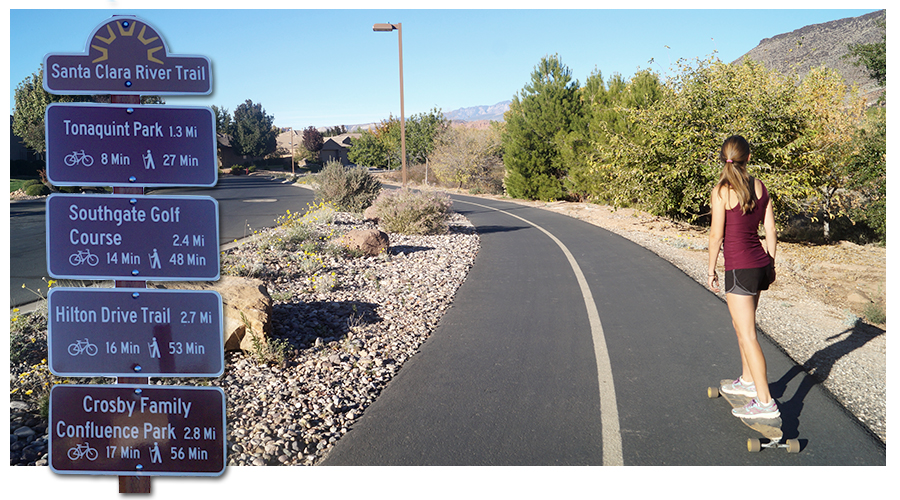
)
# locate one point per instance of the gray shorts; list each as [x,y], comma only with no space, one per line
[746,281]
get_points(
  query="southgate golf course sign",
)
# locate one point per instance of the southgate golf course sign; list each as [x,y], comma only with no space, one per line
[133,429]
[131,237]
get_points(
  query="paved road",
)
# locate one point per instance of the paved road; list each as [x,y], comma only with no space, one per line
[246,204]
[511,376]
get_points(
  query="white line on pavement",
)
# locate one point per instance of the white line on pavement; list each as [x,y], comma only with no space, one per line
[609,411]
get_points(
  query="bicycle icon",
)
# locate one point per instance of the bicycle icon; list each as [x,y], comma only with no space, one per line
[82,256]
[82,450]
[82,346]
[79,157]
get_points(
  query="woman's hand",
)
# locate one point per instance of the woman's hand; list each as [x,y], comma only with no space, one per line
[713,282]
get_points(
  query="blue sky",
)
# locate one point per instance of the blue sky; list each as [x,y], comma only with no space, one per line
[327,67]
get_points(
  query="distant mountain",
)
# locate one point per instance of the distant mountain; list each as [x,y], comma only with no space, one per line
[477,113]
[823,45]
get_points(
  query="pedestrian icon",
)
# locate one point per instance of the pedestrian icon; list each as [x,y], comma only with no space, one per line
[154,348]
[155,455]
[148,161]
[154,260]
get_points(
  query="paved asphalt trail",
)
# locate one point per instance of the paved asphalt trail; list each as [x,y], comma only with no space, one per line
[510,375]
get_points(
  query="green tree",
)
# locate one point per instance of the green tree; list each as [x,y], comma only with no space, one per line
[669,163]
[224,126]
[605,106]
[380,147]
[368,150]
[867,169]
[388,134]
[254,130]
[832,112]
[872,55]
[539,117]
[421,131]
[333,131]
[224,121]
[799,132]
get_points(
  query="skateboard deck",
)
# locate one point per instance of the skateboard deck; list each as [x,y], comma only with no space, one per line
[770,428]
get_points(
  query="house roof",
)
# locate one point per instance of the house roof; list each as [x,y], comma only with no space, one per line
[283,140]
[340,141]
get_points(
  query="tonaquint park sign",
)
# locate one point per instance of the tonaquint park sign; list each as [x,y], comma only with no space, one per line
[125,55]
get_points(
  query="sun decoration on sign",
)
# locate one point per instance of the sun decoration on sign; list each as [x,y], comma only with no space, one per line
[126,29]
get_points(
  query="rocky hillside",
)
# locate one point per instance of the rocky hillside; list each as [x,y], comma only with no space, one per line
[823,45]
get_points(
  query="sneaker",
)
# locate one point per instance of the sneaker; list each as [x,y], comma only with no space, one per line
[740,388]
[754,409]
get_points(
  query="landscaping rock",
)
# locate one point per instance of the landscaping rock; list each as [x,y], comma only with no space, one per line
[371,242]
[247,296]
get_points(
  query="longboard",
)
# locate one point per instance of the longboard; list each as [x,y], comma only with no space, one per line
[770,428]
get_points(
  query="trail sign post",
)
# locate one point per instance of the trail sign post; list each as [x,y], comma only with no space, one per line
[129,145]
[131,238]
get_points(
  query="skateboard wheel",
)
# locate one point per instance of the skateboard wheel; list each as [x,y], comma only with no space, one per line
[712,392]
[793,446]
[754,445]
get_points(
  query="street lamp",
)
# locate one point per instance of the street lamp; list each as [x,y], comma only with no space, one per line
[291,129]
[399,28]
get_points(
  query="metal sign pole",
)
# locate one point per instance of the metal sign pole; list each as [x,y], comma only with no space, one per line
[131,484]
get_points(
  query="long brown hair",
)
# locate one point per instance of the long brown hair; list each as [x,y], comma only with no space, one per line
[734,156]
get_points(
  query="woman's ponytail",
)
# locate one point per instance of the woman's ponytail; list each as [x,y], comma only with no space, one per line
[734,155]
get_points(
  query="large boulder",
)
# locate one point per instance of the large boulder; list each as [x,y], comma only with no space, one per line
[247,296]
[368,241]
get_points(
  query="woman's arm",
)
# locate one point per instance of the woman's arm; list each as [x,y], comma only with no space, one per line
[771,235]
[716,235]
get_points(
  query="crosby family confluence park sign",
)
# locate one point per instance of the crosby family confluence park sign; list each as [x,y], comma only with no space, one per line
[125,55]
[137,430]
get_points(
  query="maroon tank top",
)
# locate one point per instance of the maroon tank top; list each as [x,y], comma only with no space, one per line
[743,248]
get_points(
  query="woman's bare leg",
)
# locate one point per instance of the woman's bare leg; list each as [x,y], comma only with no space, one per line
[743,317]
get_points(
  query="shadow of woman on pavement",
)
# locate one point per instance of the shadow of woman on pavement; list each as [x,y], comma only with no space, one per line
[816,370]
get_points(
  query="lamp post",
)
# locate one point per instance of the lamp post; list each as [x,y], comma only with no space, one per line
[399,28]
[292,150]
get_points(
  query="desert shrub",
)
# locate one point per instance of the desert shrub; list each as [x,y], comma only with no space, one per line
[350,189]
[37,190]
[412,212]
